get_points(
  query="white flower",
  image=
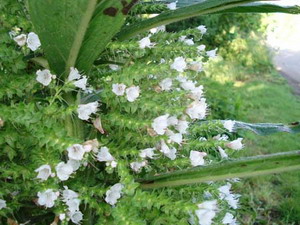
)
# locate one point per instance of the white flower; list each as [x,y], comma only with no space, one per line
[222,153]
[229,219]
[44,77]
[76,217]
[33,41]
[196,66]
[166,84]
[147,153]
[232,200]
[113,164]
[174,137]
[202,29]
[224,190]
[172,5]
[182,126]
[172,121]
[225,193]
[189,42]
[197,110]
[47,198]
[145,43]
[114,193]
[132,93]
[119,89]
[229,124]
[75,164]
[74,74]
[81,83]
[63,171]
[73,204]
[161,28]
[160,124]
[206,212]
[219,137]
[212,53]
[68,194]
[76,152]
[44,172]
[186,41]
[170,153]
[2,204]
[137,166]
[197,93]
[62,216]
[104,155]
[236,144]
[85,110]
[179,64]
[201,48]
[21,39]
[202,139]
[210,205]
[196,158]
[114,67]
[188,85]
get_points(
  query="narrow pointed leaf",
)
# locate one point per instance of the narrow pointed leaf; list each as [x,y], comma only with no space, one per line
[281,6]
[202,8]
[245,167]
[260,128]
[267,128]
[73,35]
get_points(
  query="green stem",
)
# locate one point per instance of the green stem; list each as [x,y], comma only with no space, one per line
[245,167]
[73,125]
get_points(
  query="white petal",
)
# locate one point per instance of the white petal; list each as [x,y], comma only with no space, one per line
[44,77]
[63,171]
[179,64]
[2,204]
[132,93]
[21,39]
[197,158]
[76,152]
[81,83]
[44,172]
[104,155]
[160,124]
[33,41]
[85,110]
[119,89]
[74,74]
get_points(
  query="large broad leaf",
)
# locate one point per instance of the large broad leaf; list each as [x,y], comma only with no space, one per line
[245,167]
[74,33]
[200,7]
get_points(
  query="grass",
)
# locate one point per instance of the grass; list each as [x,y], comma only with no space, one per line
[266,97]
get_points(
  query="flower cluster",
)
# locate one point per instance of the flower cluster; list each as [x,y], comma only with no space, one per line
[31,40]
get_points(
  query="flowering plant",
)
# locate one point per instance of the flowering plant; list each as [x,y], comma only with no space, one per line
[111,125]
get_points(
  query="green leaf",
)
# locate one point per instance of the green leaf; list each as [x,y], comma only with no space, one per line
[256,7]
[264,8]
[244,167]
[200,7]
[260,128]
[267,128]
[75,34]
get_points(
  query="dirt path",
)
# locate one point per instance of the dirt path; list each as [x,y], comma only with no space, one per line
[284,39]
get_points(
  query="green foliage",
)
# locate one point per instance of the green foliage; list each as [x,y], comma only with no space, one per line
[13,18]
[39,123]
